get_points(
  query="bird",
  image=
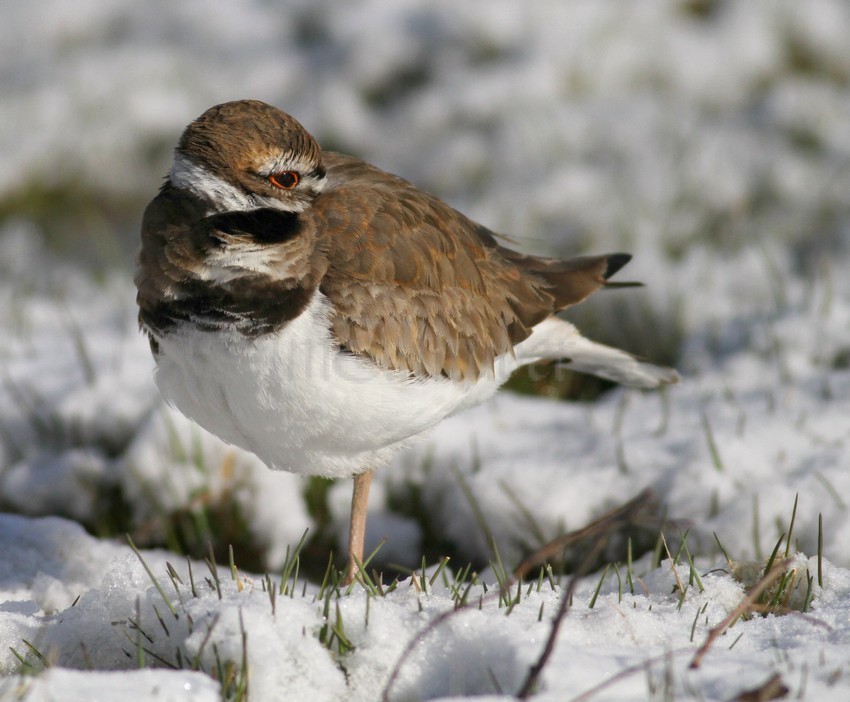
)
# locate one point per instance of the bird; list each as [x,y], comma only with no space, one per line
[324,314]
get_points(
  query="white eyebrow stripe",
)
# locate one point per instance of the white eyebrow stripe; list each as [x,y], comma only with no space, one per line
[186,174]
[285,161]
[288,161]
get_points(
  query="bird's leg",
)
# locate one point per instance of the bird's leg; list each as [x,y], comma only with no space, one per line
[357,528]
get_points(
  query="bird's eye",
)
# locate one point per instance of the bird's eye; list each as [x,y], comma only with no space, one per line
[285,180]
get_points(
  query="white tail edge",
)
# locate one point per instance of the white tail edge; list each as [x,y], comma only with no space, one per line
[556,338]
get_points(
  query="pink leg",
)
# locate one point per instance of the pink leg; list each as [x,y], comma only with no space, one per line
[357,530]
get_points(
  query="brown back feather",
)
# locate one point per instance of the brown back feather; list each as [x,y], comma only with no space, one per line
[418,286]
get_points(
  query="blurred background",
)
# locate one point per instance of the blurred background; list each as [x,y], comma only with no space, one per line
[711,138]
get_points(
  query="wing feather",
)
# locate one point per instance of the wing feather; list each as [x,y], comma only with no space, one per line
[417,286]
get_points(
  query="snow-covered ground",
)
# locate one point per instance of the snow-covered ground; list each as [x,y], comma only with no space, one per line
[711,138]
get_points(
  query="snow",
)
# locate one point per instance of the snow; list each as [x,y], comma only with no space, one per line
[708,138]
[474,651]
[78,686]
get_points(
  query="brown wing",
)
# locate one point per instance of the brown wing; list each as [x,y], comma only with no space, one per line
[418,286]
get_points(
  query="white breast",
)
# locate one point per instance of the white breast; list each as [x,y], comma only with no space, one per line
[297,402]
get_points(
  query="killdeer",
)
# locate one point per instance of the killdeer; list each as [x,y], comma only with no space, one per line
[323,314]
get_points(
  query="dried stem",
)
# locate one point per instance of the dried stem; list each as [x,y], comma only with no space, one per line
[747,605]
[600,529]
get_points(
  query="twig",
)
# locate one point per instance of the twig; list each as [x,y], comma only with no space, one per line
[746,605]
[624,673]
[603,526]
[530,683]
[624,514]
[774,688]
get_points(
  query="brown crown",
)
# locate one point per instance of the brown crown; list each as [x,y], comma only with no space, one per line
[237,136]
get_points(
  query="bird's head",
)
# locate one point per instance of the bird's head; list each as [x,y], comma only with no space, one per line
[247,155]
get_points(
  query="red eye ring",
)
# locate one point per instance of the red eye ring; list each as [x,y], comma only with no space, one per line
[285,180]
